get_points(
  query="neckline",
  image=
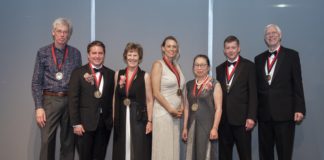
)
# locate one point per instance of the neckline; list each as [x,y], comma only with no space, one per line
[198,84]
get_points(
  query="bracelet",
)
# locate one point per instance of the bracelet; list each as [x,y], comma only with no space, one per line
[149,121]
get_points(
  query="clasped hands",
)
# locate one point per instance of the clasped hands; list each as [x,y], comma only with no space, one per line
[176,112]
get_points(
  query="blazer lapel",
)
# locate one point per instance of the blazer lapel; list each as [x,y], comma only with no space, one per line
[264,59]
[281,56]
[222,76]
[105,79]
[237,72]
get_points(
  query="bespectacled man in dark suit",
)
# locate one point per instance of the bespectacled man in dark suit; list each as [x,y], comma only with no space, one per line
[280,96]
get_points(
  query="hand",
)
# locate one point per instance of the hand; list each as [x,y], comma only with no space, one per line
[148,127]
[249,124]
[40,117]
[180,112]
[298,117]
[185,135]
[213,134]
[78,130]
[177,113]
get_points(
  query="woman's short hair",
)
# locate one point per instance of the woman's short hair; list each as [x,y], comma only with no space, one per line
[133,46]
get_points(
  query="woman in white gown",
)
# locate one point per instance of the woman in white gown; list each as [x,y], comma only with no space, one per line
[167,84]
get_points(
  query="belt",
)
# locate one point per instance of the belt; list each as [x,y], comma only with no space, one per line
[58,94]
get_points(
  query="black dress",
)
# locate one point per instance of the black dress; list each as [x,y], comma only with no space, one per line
[140,143]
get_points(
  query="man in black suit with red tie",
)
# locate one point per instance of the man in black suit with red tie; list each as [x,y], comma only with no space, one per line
[280,96]
[238,81]
[90,104]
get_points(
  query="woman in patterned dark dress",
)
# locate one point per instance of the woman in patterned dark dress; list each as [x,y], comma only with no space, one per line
[132,109]
[203,109]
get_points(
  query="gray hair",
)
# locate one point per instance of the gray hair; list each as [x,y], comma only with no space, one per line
[275,26]
[65,22]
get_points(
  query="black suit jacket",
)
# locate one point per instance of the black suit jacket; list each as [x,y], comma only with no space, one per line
[285,96]
[83,106]
[240,103]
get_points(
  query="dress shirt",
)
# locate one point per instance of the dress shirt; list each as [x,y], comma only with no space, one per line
[45,70]
[270,59]
[230,69]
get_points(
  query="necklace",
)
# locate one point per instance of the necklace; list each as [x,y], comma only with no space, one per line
[199,84]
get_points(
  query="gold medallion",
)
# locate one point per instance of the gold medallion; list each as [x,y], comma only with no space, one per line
[194,107]
[127,102]
[179,92]
[97,94]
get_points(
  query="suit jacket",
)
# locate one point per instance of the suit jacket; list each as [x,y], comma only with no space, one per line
[240,103]
[84,108]
[285,96]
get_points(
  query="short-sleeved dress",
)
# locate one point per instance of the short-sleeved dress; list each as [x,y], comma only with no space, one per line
[166,129]
[131,121]
[200,123]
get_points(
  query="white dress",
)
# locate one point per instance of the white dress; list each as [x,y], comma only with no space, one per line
[166,129]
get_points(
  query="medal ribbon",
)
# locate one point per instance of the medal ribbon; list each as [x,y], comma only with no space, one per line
[129,82]
[200,89]
[98,80]
[270,65]
[173,69]
[230,75]
[59,66]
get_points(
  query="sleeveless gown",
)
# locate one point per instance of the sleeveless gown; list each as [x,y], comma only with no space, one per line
[130,140]
[166,129]
[200,122]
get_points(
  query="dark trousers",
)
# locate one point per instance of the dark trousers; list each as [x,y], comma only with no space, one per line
[56,111]
[92,145]
[230,135]
[279,134]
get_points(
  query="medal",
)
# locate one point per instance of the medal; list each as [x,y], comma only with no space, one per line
[179,92]
[129,82]
[127,102]
[59,75]
[270,64]
[228,87]
[194,107]
[175,72]
[97,94]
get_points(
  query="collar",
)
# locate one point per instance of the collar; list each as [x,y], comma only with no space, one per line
[275,49]
[235,60]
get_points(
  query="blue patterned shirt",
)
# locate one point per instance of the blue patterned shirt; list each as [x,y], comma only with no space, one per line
[45,70]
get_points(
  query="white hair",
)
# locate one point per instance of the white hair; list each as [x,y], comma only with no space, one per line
[65,22]
[275,26]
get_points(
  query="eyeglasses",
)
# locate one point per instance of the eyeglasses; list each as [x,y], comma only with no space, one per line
[272,34]
[62,32]
[200,65]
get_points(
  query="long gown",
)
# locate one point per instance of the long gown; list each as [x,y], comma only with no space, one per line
[200,122]
[166,129]
[131,120]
